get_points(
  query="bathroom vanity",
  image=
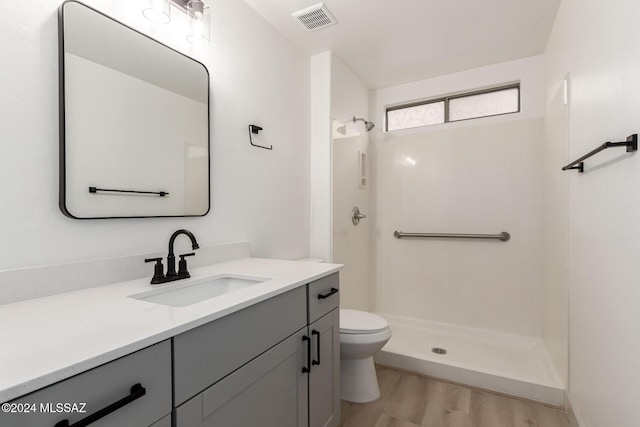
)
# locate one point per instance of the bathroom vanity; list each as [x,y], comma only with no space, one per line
[265,355]
[294,383]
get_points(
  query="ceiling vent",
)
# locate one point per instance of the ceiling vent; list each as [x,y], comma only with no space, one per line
[315,17]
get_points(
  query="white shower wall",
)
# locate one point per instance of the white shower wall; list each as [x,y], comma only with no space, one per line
[351,244]
[477,176]
[482,179]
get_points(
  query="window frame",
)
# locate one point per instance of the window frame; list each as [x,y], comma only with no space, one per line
[446,100]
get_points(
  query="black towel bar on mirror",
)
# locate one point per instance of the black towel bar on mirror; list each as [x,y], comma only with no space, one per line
[95,190]
[631,143]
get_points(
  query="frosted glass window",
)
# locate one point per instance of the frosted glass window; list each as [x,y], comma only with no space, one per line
[484,104]
[472,105]
[415,116]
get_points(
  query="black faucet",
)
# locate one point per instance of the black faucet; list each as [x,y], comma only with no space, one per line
[183,273]
[171,258]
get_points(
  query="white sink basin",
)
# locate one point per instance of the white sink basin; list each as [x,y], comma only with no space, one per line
[181,295]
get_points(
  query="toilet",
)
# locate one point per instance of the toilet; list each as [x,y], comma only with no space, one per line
[362,335]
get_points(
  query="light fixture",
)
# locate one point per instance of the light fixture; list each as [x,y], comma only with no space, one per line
[159,11]
[199,23]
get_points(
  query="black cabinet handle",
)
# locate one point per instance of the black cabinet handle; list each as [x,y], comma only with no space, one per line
[306,369]
[328,294]
[137,391]
[317,360]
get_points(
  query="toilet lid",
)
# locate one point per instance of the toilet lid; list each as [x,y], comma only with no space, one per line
[361,322]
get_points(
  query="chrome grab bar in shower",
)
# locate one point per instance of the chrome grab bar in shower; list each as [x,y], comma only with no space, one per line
[503,236]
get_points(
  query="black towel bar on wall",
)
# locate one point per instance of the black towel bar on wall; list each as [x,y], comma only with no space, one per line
[254,129]
[631,143]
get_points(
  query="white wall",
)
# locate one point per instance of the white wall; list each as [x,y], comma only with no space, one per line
[480,176]
[349,98]
[349,95]
[337,95]
[320,166]
[598,44]
[555,327]
[257,77]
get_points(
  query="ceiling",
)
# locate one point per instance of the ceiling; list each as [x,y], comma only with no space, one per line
[389,42]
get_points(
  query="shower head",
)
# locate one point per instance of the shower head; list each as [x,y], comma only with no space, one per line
[368,125]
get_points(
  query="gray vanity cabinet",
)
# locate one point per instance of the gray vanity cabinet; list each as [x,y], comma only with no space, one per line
[273,364]
[324,378]
[269,391]
[272,390]
[137,387]
[324,330]
[205,355]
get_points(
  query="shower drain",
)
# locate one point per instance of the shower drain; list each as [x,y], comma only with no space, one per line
[438,350]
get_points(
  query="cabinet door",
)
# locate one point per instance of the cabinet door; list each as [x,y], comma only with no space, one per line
[165,422]
[205,355]
[324,378]
[269,391]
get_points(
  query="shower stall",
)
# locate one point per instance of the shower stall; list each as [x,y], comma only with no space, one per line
[489,313]
[463,295]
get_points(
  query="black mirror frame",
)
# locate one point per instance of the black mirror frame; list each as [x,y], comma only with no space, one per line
[62,133]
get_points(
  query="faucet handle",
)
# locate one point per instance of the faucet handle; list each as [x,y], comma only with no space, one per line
[158,270]
[182,264]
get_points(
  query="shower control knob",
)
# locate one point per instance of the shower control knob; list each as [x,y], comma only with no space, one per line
[356,216]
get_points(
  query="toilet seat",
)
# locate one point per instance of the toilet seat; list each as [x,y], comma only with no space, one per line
[361,322]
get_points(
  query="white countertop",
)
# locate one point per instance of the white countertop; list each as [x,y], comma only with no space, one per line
[48,339]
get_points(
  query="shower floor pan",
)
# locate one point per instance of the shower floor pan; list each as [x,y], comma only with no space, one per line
[511,364]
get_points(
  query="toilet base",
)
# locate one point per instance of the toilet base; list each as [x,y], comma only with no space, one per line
[358,380]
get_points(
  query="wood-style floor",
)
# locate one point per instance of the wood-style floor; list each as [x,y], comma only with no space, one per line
[408,400]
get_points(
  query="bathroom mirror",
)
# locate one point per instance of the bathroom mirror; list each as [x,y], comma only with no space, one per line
[134,122]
